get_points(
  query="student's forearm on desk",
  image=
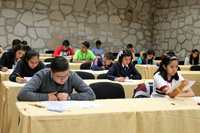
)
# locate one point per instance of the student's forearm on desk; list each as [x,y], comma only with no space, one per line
[188,93]
[77,61]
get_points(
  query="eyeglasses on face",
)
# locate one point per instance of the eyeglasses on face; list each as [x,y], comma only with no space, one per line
[61,77]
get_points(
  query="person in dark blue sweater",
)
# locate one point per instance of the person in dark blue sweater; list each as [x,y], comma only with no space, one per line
[103,62]
[29,65]
[123,69]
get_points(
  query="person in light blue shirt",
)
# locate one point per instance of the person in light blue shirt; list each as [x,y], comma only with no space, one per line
[147,59]
[97,50]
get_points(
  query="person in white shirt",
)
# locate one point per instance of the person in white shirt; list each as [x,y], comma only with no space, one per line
[166,76]
[193,58]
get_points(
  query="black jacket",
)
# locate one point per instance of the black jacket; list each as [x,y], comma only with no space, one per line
[25,72]
[117,71]
[6,61]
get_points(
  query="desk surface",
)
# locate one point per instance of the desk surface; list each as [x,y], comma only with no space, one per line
[119,115]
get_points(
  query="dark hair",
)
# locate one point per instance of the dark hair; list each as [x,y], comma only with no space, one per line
[170,53]
[149,52]
[16,42]
[166,61]
[66,43]
[24,42]
[87,44]
[59,64]
[129,46]
[28,55]
[123,54]
[196,60]
[109,56]
[13,51]
[98,42]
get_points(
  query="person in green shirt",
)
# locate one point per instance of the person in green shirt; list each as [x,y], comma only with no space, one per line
[84,55]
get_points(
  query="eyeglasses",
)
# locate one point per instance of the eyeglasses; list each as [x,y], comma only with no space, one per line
[61,77]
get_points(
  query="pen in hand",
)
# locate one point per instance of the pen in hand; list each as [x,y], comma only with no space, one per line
[19,75]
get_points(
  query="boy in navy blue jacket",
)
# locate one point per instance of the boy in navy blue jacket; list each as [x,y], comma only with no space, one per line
[123,69]
[103,62]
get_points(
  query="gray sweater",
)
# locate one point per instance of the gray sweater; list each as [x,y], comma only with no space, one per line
[42,83]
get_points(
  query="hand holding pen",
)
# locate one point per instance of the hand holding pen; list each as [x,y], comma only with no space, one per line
[20,79]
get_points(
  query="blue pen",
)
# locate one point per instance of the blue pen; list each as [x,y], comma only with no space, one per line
[54,110]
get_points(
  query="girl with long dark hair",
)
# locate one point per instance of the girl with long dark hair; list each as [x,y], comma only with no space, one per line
[147,59]
[29,65]
[166,76]
[10,59]
[193,58]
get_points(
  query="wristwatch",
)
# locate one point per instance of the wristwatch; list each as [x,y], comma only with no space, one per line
[68,98]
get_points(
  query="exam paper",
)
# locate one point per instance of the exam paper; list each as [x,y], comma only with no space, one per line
[17,84]
[70,104]
[195,98]
[130,80]
[27,78]
[177,84]
[93,72]
[10,70]
[60,104]
[88,104]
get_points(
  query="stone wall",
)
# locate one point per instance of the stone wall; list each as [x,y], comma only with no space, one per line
[162,25]
[177,27]
[46,23]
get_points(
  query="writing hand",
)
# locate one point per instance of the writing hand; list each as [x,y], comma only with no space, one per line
[120,79]
[21,80]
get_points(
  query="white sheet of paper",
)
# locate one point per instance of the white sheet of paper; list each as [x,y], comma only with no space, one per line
[177,84]
[10,70]
[88,104]
[130,80]
[17,84]
[27,78]
[93,72]
[67,56]
[70,104]
[195,98]
[60,104]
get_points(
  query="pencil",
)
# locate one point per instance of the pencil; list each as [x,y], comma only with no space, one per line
[33,105]
[18,75]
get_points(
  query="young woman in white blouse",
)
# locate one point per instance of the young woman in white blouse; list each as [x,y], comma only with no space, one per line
[193,58]
[166,76]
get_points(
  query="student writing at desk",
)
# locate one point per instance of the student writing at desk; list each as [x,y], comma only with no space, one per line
[29,65]
[166,76]
[84,55]
[56,84]
[147,59]
[103,62]
[10,59]
[123,69]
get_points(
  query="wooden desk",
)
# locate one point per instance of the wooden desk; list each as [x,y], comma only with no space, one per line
[72,66]
[42,58]
[46,55]
[10,92]
[157,61]
[115,116]
[192,75]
